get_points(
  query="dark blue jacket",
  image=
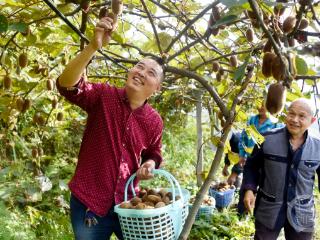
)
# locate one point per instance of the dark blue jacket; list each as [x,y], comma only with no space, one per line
[284,180]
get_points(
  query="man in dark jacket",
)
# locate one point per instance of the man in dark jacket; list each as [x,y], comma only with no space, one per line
[281,174]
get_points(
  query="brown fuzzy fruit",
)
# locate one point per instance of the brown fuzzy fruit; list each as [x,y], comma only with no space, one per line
[54,103]
[249,34]
[215,66]
[152,192]
[134,201]
[218,77]
[291,42]
[216,13]
[59,116]
[215,31]
[34,152]
[117,7]
[26,32]
[19,104]
[166,200]
[154,198]
[103,12]
[276,98]
[23,60]
[289,24]
[279,10]
[26,105]
[267,47]
[233,61]
[162,193]
[268,58]
[303,24]
[305,2]
[160,204]
[140,206]
[49,84]
[278,69]
[126,205]
[151,204]
[7,82]
[41,120]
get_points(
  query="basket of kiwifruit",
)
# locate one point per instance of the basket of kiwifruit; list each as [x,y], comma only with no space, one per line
[223,193]
[153,213]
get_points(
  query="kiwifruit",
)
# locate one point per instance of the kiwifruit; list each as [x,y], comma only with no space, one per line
[218,77]
[169,195]
[134,201]
[233,61]
[41,120]
[49,84]
[305,2]
[59,116]
[304,23]
[162,26]
[278,69]
[249,34]
[221,71]
[19,104]
[140,206]
[276,98]
[151,204]
[117,7]
[27,31]
[154,198]
[215,66]
[267,63]
[40,151]
[26,105]
[23,60]
[103,12]
[152,192]
[291,42]
[160,204]
[162,192]
[166,200]
[216,13]
[7,82]
[34,152]
[54,103]
[267,47]
[288,24]
[126,205]
[215,31]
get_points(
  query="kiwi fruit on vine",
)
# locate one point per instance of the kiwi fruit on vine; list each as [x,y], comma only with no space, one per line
[34,152]
[38,119]
[26,105]
[215,31]
[49,84]
[103,12]
[233,61]
[291,42]
[117,7]
[27,31]
[23,60]
[221,71]
[267,60]
[59,116]
[279,10]
[216,13]
[218,77]
[267,47]
[278,69]
[289,23]
[249,34]
[215,66]
[304,23]
[7,82]
[305,2]
[276,98]
[19,104]
[54,103]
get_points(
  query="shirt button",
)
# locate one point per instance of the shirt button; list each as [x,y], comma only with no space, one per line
[292,166]
[290,185]
[128,128]
[123,144]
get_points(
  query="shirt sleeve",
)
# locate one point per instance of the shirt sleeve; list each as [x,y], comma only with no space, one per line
[243,140]
[83,94]
[154,149]
[251,173]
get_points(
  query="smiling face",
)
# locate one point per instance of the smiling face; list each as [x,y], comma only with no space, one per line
[144,78]
[299,118]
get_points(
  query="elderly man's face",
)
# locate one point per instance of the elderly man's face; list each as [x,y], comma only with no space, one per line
[145,77]
[299,118]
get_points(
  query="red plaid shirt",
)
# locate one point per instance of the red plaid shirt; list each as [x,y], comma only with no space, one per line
[115,143]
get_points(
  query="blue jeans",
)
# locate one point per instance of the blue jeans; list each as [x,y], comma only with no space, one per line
[103,230]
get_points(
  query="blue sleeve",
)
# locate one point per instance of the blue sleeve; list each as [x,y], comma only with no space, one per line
[251,172]
[237,169]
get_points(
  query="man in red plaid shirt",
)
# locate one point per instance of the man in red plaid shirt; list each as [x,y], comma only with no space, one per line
[122,136]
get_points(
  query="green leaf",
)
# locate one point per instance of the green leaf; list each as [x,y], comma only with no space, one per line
[302,67]
[118,38]
[3,23]
[20,27]
[240,71]
[45,32]
[225,20]
[231,3]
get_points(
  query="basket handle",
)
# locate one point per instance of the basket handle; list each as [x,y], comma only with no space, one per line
[169,177]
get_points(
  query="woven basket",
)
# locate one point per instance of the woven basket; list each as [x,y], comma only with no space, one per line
[157,224]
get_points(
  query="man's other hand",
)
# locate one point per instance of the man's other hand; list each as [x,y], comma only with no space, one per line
[249,201]
[145,170]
